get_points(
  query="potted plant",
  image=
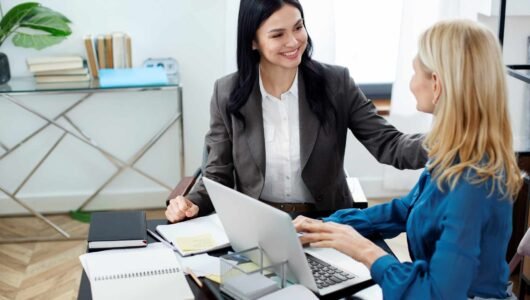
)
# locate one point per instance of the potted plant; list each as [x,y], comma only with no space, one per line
[32,26]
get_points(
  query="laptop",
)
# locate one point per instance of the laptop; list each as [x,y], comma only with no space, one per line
[249,223]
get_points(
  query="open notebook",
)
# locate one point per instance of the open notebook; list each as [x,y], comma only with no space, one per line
[196,235]
[146,273]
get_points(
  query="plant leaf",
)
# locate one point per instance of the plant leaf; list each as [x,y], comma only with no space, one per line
[45,11]
[36,41]
[15,15]
[51,24]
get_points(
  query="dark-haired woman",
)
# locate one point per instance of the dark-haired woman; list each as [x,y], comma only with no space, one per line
[278,125]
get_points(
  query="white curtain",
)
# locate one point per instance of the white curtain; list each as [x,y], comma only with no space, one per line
[417,15]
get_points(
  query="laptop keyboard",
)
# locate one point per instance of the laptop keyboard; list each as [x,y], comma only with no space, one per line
[325,274]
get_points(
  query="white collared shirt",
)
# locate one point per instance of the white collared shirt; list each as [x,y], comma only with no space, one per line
[283,172]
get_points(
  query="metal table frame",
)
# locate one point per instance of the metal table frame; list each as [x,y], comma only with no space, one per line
[90,142]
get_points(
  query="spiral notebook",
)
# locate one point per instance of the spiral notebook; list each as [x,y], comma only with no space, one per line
[145,273]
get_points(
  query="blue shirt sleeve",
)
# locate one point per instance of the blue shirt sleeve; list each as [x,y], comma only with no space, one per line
[388,219]
[449,273]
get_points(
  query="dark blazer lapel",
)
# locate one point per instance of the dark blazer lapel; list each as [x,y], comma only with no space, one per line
[253,113]
[309,124]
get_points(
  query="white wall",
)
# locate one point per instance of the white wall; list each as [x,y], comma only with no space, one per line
[516,50]
[193,32]
[200,34]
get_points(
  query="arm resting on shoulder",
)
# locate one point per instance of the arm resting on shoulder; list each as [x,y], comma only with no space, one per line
[387,144]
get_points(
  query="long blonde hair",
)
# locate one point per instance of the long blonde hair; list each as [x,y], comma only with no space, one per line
[471,127]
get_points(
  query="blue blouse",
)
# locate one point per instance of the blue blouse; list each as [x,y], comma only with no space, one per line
[457,241]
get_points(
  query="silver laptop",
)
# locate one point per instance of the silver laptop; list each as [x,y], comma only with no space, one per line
[249,223]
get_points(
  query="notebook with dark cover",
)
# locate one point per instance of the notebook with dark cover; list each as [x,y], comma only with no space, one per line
[117,229]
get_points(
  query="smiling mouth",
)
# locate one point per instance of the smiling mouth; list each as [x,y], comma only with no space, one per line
[291,54]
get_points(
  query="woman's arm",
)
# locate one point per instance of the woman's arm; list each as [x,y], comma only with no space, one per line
[388,219]
[453,266]
[220,165]
[449,272]
[387,144]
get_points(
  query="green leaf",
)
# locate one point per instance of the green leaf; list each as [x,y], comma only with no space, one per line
[82,216]
[51,24]
[15,15]
[36,41]
[47,12]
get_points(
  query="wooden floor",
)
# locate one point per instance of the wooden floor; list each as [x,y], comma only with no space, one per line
[43,270]
[51,270]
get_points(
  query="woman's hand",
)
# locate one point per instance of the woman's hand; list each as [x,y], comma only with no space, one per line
[341,237]
[180,208]
[298,221]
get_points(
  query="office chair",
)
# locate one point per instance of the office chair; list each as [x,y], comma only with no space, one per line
[523,249]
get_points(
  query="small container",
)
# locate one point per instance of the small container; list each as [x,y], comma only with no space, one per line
[248,274]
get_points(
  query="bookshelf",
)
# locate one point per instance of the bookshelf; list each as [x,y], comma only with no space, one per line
[20,87]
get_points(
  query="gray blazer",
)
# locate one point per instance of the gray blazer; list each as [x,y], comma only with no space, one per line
[236,156]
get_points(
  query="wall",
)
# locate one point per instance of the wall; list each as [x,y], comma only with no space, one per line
[201,36]
[193,32]
[516,50]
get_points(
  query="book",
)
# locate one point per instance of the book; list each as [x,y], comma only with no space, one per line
[91,56]
[100,51]
[196,235]
[61,78]
[79,71]
[108,51]
[132,77]
[117,229]
[118,50]
[128,51]
[147,273]
[53,59]
[43,64]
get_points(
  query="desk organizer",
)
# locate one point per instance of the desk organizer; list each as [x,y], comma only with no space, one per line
[249,275]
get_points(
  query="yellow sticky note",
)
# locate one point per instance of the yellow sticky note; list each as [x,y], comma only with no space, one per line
[214,278]
[196,242]
[249,267]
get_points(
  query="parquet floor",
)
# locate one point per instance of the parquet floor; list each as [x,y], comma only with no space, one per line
[43,270]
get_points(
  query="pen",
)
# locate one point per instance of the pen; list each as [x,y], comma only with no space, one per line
[160,239]
[194,277]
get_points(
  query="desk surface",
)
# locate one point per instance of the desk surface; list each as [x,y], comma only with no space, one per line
[204,293]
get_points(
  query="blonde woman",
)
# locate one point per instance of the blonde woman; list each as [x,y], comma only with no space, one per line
[458,216]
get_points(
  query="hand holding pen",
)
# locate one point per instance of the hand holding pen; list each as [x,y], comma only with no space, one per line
[179,207]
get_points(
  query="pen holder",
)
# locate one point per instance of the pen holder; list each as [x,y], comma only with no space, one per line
[248,274]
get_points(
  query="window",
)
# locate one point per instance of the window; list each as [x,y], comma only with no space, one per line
[361,35]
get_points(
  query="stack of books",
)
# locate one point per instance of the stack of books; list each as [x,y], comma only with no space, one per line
[108,51]
[58,69]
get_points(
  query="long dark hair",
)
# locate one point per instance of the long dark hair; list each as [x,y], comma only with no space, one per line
[252,13]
